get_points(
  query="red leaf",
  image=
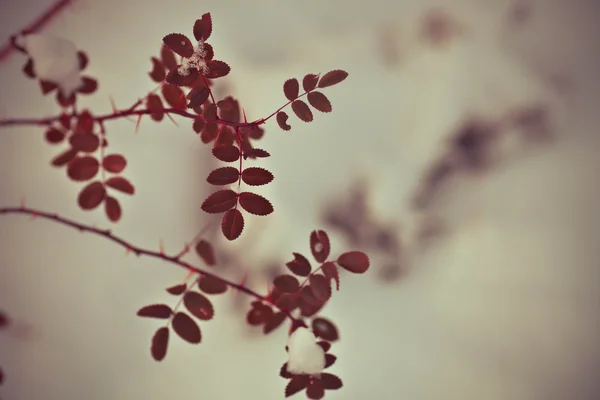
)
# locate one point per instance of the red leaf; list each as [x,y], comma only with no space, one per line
[309,82]
[158,73]
[121,184]
[85,123]
[198,125]
[198,305]
[319,245]
[324,345]
[168,57]
[260,153]
[319,101]
[177,289]
[301,109]
[178,79]
[329,360]
[211,285]
[83,60]
[54,136]
[332,78]
[259,314]
[286,283]
[255,176]
[354,261]
[232,224]
[282,118]
[65,101]
[155,106]
[86,142]
[274,322]
[330,381]
[112,209]
[47,86]
[114,163]
[286,302]
[83,168]
[174,96]
[197,96]
[161,311]
[320,287]
[299,265]
[296,384]
[65,121]
[315,390]
[209,133]
[91,196]
[3,320]
[223,176]
[28,69]
[203,27]
[206,252]
[180,44]
[325,329]
[186,328]
[331,272]
[216,69]
[255,204]
[226,153]
[64,157]
[88,85]
[160,343]
[308,296]
[291,88]
[220,201]
[225,138]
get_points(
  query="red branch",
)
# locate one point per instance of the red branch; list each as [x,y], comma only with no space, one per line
[138,251]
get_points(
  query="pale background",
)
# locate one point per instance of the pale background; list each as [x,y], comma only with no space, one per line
[505,307]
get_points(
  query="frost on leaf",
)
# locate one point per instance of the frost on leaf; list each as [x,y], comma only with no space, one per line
[220,201]
[160,343]
[216,69]
[319,101]
[325,329]
[305,355]
[232,224]
[332,78]
[112,209]
[299,265]
[161,311]
[83,168]
[203,27]
[255,204]
[206,252]
[319,245]
[223,176]
[91,196]
[121,184]
[198,305]
[302,111]
[186,328]
[354,261]
[291,89]
[114,163]
[256,176]
[186,78]
[282,118]
[180,44]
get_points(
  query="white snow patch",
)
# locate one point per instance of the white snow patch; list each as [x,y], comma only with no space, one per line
[305,355]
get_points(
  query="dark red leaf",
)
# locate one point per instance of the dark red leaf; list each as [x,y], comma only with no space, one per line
[286,302]
[206,252]
[284,373]
[64,157]
[226,153]
[174,96]
[331,272]
[332,78]
[161,311]
[160,343]
[220,201]
[83,60]
[330,381]
[177,289]
[225,138]
[28,69]
[178,79]
[216,69]
[229,109]
[54,136]
[301,110]
[255,204]
[223,176]
[354,261]
[3,320]
[308,296]
[65,101]
[197,96]
[319,101]
[114,163]
[180,44]
[112,209]
[85,123]
[203,27]
[232,224]
[296,384]
[291,88]
[319,245]
[211,285]
[324,345]
[309,82]
[158,73]
[259,314]
[186,328]
[329,360]
[315,390]
[282,118]
[209,133]
[255,176]
[325,329]
[259,153]
[88,85]
[198,125]
[121,184]
[86,142]
[299,265]
[47,86]
[168,57]
[83,168]
[65,121]
[274,322]
[91,196]
[198,305]
[320,287]
[155,106]
[286,283]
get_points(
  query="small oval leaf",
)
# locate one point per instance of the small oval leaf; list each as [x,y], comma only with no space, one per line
[332,78]
[255,176]
[198,305]
[91,196]
[161,311]
[211,285]
[121,184]
[302,111]
[232,224]
[160,343]
[226,153]
[83,168]
[220,201]
[291,88]
[223,176]
[112,209]
[354,261]
[206,252]
[319,101]
[186,328]
[255,204]
[299,265]
[325,329]
[286,283]
[114,163]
